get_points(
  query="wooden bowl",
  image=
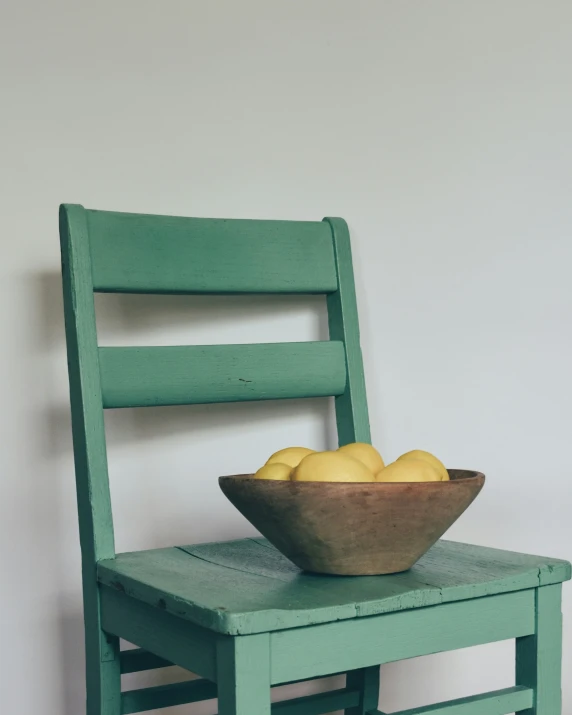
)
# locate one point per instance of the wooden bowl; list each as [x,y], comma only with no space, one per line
[353,529]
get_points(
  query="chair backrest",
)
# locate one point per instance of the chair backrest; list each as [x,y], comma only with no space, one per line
[131,253]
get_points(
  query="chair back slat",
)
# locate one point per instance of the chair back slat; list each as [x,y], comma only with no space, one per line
[203,374]
[135,253]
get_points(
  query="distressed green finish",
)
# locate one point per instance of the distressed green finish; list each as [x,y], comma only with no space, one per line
[193,375]
[134,253]
[300,653]
[238,614]
[192,647]
[248,586]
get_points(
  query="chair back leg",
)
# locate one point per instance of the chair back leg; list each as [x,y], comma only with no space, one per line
[366,680]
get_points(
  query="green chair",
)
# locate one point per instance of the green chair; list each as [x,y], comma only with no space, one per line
[238,614]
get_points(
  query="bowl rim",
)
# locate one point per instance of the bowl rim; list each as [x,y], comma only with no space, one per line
[471,475]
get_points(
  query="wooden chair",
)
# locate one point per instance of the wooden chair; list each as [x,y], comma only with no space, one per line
[238,614]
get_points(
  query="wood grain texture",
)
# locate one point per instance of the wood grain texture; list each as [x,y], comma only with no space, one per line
[150,376]
[162,696]
[352,529]
[90,457]
[243,675]
[331,647]
[178,641]
[351,407]
[135,660]
[498,702]
[137,253]
[539,656]
[247,586]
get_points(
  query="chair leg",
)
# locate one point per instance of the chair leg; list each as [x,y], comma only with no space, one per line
[539,657]
[103,670]
[243,675]
[367,681]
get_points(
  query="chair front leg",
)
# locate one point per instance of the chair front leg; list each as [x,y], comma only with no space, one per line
[243,675]
[539,656]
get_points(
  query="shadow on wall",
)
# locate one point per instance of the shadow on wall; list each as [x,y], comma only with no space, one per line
[70,656]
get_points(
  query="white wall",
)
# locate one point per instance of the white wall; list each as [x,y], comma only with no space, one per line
[442,131]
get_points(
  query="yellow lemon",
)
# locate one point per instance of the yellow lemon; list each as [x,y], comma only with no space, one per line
[364,453]
[291,456]
[409,470]
[430,458]
[331,467]
[274,471]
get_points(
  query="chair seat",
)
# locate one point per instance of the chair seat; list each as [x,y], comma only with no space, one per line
[247,586]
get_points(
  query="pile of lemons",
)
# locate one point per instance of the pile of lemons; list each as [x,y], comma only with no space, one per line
[355,462]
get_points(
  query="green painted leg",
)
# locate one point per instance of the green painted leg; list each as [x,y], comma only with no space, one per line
[539,657]
[103,676]
[243,675]
[102,660]
[367,681]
